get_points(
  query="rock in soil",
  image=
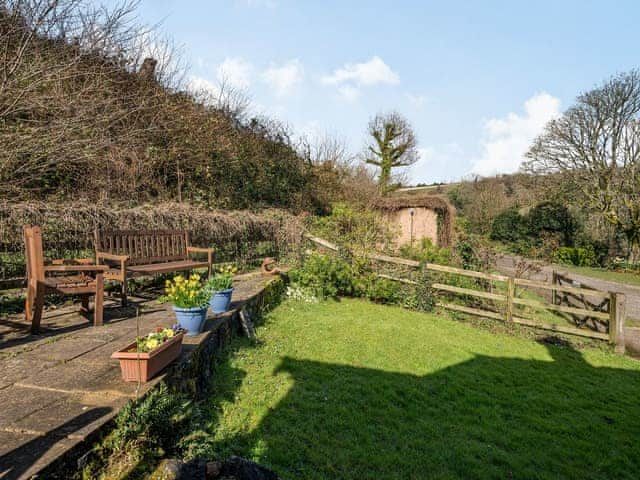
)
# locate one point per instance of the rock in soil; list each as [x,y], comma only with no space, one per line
[235,468]
[241,469]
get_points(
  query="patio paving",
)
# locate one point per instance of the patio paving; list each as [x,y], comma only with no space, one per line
[59,387]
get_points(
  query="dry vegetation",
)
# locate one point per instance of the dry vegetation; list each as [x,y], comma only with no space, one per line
[69,229]
[93,106]
[100,130]
[480,200]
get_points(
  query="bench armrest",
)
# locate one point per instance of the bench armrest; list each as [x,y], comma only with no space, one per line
[199,250]
[111,256]
[208,251]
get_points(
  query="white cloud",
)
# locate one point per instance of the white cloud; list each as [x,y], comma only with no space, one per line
[352,76]
[349,92]
[310,130]
[236,71]
[198,85]
[373,72]
[284,78]
[508,139]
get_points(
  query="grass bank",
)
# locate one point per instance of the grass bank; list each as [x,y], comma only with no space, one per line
[355,390]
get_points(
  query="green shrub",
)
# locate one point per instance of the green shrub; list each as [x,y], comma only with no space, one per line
[599,247]
[553,218]
[421,297]
[382,290]
[578,256]
[509,226]
[468,256]
[325,276]
[426,251]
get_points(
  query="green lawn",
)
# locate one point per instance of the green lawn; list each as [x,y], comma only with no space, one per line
[353,390]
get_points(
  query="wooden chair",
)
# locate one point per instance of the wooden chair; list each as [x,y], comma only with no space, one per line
[79,278]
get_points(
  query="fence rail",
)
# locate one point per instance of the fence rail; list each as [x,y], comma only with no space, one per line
[615,317]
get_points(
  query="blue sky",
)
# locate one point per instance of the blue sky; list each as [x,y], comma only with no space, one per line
[478,80]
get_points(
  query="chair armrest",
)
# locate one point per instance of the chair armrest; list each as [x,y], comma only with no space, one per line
[73,261]
[199,250]
[76,268]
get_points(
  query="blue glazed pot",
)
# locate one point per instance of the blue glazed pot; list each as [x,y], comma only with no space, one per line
[221,300]
[191,319]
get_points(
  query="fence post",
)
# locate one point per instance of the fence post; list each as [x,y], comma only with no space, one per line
[511,291]
[554,281]
[617,314]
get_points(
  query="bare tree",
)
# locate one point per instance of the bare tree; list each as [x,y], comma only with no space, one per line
[594,147]
[392,144]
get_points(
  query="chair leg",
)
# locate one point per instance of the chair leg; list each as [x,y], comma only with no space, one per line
[123,293]
[37,309]
[99,301]
[85,303]
[28,303]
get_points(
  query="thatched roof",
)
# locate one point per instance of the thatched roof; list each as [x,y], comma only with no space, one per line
[440,205]
[396,202]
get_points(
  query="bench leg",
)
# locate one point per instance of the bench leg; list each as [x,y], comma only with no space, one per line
[37,310]
[98,307]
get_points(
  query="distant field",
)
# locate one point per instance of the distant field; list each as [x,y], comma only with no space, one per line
[431,189]
[604,274]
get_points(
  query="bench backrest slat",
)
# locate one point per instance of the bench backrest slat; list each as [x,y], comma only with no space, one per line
[144,246]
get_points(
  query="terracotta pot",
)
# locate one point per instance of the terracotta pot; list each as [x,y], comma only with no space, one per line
[145,365]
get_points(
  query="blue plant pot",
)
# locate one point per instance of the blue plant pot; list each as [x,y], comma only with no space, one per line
[191,319]
[221,300]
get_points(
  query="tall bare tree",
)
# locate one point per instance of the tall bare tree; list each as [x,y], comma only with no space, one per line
[594,147]
[392,144]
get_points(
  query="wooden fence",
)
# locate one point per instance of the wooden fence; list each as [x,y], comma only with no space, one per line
[610,310]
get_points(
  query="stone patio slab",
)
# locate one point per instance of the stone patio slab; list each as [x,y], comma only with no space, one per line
[78,377]
[68,416]
[62,350]
[18,368]
[18,402]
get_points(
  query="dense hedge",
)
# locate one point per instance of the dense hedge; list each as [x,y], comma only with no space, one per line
[546,218]
[68,228]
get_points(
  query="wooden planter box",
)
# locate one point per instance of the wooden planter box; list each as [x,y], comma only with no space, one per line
[145,365]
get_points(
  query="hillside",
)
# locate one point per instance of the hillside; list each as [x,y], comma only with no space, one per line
[92,118]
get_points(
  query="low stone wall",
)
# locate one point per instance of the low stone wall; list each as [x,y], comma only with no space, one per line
[191,375]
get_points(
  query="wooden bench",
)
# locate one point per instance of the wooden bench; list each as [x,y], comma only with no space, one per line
[76,277]
[138,253]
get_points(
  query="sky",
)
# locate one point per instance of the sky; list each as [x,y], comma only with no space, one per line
[478,80]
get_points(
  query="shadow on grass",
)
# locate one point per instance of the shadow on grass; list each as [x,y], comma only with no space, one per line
[487,417]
